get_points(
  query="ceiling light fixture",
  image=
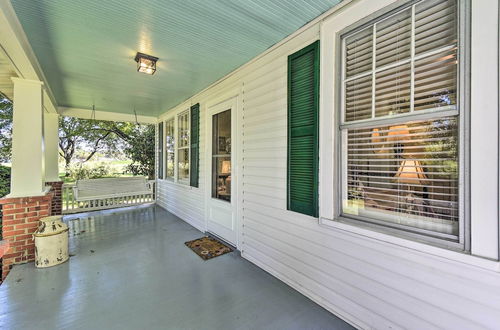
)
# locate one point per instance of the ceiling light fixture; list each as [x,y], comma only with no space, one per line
[146,63]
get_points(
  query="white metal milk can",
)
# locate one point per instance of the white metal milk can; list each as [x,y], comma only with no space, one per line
[51,242]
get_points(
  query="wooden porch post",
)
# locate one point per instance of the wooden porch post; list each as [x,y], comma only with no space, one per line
[28,164]
[51,141]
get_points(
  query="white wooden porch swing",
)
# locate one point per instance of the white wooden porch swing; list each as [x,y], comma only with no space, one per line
[100,194]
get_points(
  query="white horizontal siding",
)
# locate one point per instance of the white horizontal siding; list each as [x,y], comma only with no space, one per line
[186,202]
[369,282]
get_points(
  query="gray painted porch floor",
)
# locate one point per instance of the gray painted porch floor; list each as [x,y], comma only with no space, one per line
[131,270]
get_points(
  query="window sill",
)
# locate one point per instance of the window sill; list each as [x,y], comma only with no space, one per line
[340,224]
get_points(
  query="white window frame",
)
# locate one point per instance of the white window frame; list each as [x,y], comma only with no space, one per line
[188,147]
[331,188]
[171,119]
[175,118]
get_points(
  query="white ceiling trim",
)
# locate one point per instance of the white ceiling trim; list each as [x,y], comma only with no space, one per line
[16,48]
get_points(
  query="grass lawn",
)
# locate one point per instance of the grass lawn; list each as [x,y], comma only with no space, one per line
[117,168]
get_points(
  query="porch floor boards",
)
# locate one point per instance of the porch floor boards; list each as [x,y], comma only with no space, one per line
[131,270]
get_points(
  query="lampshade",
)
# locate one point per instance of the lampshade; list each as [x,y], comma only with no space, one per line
[410,172]
[226,167]
[376,136]
[398,133]
[146,63]
[376,140]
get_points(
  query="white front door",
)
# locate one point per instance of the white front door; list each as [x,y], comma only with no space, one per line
[221,171]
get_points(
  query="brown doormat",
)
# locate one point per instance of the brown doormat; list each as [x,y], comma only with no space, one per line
[208,247]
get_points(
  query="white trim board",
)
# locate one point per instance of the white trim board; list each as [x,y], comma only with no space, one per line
[15,45]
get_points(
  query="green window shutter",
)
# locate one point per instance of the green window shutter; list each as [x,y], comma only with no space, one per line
[195,146]
[303,108]
[160,150]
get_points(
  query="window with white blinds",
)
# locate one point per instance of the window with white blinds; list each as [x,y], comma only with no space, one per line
[400,121]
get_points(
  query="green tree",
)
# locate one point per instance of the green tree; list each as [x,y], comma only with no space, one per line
[140,149]
[4,180]
[92,136]
[136,141]
[5,128]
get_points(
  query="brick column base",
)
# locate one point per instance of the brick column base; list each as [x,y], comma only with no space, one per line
[19,221]
[57,196]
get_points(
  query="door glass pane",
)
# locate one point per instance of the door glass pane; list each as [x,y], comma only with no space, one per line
[221,156]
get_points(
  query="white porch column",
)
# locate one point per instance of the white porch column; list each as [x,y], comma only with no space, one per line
[28,164]
[51,131]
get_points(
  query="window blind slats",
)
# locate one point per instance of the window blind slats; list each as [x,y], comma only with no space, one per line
[406,173]
[359,102]
[434,78]
[392,91]
[411,137]
[400,169]
[359,52]
[435,38]
[393,41]
[435,81]
[435,25]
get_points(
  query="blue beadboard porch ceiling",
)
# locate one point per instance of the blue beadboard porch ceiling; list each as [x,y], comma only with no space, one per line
[86,48]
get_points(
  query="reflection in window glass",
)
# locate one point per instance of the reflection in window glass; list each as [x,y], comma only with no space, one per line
[221,156]
[405,173]
[435,81]
[183,147]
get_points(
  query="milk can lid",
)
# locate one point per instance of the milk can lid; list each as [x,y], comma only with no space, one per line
[49,226]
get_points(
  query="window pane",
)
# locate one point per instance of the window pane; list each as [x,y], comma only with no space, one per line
[436,81]
[222,184]
[394,39]
[358,99]
[183,148]
[170,148]
[392,91]
[183,130]
[435,25]
[183,165]
[359,52]
[405,174]
[221,156]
